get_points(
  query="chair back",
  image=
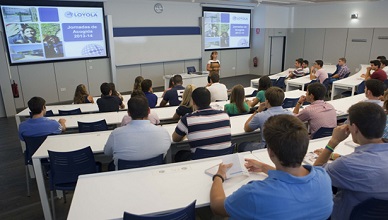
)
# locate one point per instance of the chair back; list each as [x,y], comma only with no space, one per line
[347,74]
[191,69]
[385,84]
[67,166]
[92,126]
[254,93]
[205,153]
[48,113]
[323,132]
[187,213]
[76,111]
[361,87]
[326,83]
[370,209]
[129,164]
[32,145]
[280,82]
[290,102]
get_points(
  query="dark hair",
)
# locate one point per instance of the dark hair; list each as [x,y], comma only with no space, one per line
[375,86]
[317,90]
[137,84]
[146,85]
[288,138]
[113,88]
[238,97]
[171,82]
[264,83]
[299,60]
[275,96]
[306,62]
[177,79]
[385,62]
[342,59]
[213,52]
[80,94]
[138,107]
[319,62]
[137,93]
[215,77]
[105,88]
[369,118]
[201,97]
[381,58]
[36,105]
[376,63]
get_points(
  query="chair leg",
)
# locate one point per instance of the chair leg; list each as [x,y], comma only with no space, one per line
[52,204]
[64,196]
[28,181]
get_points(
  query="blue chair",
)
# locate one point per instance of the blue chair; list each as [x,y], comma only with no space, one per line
[48,113]
[360,89]
[205,153]
[290,102]
[32,145]
[326,83]
[371,209]
[92,126]
[385,84]
[347,74]
[307,84]
[323,132]
[254,93]
[129,164]
[76,111]
[65,167]
[280,83]
[187,213]
[273,81]
[191,69]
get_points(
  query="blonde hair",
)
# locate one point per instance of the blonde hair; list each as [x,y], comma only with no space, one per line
[187,101]
[238,96]
[137,84]
[80,93]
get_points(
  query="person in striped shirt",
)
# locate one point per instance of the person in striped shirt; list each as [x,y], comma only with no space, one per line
[205,128]
[298,72]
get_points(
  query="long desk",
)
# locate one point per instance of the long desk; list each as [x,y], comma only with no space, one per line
[292,84]
[348,83]
[194,79]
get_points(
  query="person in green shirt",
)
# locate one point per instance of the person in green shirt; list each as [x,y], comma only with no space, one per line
[237,104]
[264,84]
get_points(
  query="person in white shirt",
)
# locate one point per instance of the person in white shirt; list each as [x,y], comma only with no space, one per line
[218,91]
[384,66]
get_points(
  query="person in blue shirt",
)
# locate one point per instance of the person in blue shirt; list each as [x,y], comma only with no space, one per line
[38,125]
[291,191]
[146,87]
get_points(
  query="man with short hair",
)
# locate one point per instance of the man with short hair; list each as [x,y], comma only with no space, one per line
[380,58]
[205,128]
[319,113]
[146,87]
[107,102]
[317,72]
[298,72]
[363,174]
[218,91]
[274,98]
[305,66]
[174,95]
[384,66]
[377,74]
[374,88]
[290,190]
[139,139]
[38,125]
[341,72]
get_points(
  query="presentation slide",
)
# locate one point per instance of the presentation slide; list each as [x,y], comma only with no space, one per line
[226,30]
[53,33]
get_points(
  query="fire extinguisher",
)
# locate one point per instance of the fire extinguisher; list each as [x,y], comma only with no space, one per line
[15,90]
[255,61]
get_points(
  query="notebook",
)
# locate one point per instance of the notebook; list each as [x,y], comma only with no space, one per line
[238,168]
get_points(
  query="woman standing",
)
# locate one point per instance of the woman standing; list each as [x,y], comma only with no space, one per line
[213,65]
[81,95]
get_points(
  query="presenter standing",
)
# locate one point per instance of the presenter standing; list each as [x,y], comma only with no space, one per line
[213,65]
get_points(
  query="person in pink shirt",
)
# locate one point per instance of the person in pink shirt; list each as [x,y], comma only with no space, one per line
[319,113]
[317,72]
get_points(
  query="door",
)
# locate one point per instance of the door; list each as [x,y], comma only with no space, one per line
[276,55]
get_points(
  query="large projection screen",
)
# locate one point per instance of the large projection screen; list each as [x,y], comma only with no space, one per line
[42,31]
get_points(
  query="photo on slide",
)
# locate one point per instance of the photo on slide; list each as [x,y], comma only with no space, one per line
[53,46]
[20,14]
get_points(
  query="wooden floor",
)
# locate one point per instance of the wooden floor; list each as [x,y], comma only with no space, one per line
[13,193]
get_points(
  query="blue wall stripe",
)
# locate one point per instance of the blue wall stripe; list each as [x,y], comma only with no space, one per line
[155,31]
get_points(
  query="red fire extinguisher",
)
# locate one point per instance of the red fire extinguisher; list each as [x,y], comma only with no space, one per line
[255,61]
[15,90]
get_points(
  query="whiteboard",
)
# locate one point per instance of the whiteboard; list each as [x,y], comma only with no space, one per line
[153,49]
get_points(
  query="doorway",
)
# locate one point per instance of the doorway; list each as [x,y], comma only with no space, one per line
[277,49]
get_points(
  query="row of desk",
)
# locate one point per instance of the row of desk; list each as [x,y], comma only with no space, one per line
[167,187]
[97,140]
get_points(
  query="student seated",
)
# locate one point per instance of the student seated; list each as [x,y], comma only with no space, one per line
[152,116]
[341,71]
[174,95]
[146,87]
[378,72]
[186,106]
[237,103]
[137,84]
[305,66]
[115,92]
[298,72]
[218,91]
[317,72]
[108,102]
[264,83]
[81,95]
[362,174]
[374,88]
[291,191]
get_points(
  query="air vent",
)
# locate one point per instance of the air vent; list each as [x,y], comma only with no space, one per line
[359,40]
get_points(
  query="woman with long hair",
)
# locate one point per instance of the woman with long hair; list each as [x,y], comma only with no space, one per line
[186,106]
[137,84]
[237,103]
[264,84]
[114,91]
[81,95]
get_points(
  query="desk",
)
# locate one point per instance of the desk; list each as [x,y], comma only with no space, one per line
[342,105]
[194,79]
[285,73]
[166,187]
[348,83]
[297,83]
